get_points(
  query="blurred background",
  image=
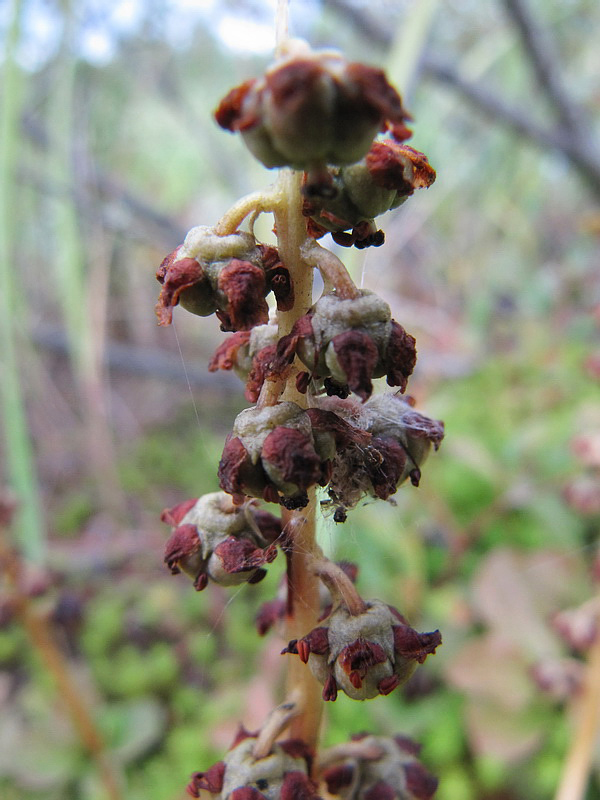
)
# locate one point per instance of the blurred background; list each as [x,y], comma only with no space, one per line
[118,680]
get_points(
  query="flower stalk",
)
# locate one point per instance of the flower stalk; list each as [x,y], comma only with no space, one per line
[318,118]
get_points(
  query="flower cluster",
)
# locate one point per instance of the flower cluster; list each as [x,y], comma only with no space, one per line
[348,342]
[363,654]
[212,539]
[311,109]
[379,768]
[384,179]
[281,774]
[227,275]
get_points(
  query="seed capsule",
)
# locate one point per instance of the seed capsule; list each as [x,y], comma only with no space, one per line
[364,654]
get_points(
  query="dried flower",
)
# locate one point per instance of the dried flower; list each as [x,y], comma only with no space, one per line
[386,177]
[282,774]
[227,275]
[400,441]
[250,355]
[380,768]
[364,654]
[214,539]
[311,109]
[349,342]
[272,453]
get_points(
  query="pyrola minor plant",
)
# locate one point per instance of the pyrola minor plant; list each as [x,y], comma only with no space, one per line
[336,130]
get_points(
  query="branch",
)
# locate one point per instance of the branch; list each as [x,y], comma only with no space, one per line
[546,65]
[581,155]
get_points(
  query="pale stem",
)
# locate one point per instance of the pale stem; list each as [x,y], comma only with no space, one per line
[303,608]
[340,586]
[356,750]
[254,203]
[577,765]
[277,721]
[334,273]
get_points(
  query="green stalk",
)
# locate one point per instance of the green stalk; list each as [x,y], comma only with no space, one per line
[20,465]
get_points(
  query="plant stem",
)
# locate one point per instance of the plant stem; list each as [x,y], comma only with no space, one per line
[20,464]
[302,614]
[39,633]
[578,762]
[303,584]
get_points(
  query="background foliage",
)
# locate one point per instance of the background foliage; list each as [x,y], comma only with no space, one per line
[109,155]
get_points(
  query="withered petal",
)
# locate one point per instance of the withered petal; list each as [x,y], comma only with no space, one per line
[421,784]
[412,645]
[246,793]
[211,780]
[286,346]
[360,655]
[357,355]
[317,641]
[385,472]
[261,369]
[293,455]
[298,786]
[381,791]
[377,92]
[229,114]
[400,356]
[182,543]
[174,515]
[330,690]
[176,275]
[234,459]
[240,555]
[225,355]
[268,614]
[338,777]
[244,284]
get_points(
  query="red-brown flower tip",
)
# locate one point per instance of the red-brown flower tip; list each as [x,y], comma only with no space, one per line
[182,545]
[174,515]
[178,275]
[363,654]
[399,167]
[421,784]
[226,354]
[227,275]
[311,109]
[382,180]
[272,454]
[381,768]
[401,439]
[298,786]
[218,541]
[348,343]
[209,781]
